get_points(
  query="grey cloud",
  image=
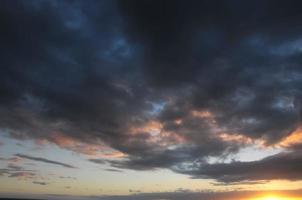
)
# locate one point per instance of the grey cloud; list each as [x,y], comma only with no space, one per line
[98,161]
[40,183]
[44,160]
[26,175]
[14,167]
[282,166]
[240,183]
[67,177]
[113,170]
[16,171]
[92,71]
[134,191]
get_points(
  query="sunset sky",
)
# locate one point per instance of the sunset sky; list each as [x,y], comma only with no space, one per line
[151,99]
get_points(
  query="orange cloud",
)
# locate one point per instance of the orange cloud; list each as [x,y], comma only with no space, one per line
[220,133]
[97,149]
[157,135]
[235,138]
[110,155]
[294,138]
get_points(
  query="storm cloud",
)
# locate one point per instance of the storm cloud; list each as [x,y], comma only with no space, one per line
[164,83]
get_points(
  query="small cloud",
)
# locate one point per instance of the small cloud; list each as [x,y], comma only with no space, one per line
[40,183]
[24,175]
[98,161]
[113,170]
[240,183]
[3,172]
[67,177]
[11,160]
[183,190]
[14,167]
[134,191]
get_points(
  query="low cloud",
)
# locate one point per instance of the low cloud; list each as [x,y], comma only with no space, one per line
[113,170]
[14,167]
[98,161]
[39,159]
[40,183]
[22,175]
[282,166]
[67,177]
[14,170]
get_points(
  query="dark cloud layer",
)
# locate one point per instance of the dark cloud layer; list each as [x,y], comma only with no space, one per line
[44,160]
[286,166]
[107,71]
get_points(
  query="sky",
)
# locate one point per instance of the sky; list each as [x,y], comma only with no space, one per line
[150,100]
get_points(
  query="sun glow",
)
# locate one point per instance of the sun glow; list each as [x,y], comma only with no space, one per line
[273,197]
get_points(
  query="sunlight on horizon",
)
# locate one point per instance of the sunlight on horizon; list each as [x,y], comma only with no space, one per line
[275,197]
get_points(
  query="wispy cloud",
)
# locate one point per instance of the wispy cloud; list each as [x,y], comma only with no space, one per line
[22,175]
[14,170]
[113,170]
[40,183]
[67,177]
[39,159]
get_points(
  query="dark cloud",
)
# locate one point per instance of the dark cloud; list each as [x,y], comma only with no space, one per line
[134,191]
[40,183]
[181,39]
[113,170]
[3,172]
[224,53]
[159,81]
[282,166]
[240,183]
[38,159]
[98,161]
